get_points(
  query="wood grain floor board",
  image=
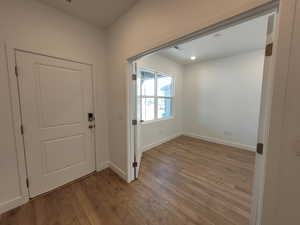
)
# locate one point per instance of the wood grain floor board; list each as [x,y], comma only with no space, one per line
[185,181]
[210,206]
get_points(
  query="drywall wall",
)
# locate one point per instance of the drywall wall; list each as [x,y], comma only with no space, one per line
[30,25]
[156,132]
[222,99]
[149,24]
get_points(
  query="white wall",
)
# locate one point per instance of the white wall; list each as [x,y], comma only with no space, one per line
[30,25]
[222,99]
[156,132]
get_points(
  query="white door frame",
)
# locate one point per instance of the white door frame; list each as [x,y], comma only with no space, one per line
[11,48]
[262,10]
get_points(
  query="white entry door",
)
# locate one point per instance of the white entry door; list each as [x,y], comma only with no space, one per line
[56,98]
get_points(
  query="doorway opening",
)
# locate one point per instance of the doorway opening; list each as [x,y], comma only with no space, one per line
[199,116]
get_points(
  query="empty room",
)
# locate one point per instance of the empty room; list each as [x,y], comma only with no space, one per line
[200,108]
[137,112]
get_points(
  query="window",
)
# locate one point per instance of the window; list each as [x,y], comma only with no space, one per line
[156,95]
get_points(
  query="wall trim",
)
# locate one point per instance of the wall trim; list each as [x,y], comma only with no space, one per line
[222,142]
[103,166]
[12,204]
[113,167]
[118,171]
[204,138]
[157,143]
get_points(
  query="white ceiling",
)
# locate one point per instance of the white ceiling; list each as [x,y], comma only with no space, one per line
[101,13]
[247,36]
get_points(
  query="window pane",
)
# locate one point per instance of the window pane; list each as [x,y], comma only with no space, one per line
[164,108]
[147,83]
[164,85]
[147,109]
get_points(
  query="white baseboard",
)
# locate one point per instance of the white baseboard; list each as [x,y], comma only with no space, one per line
[118,171]
[11,204]
[103,166]
[164,140]
[222,142]
[114,168]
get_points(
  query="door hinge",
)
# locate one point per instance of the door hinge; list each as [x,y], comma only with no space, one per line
[260,148]
[22,129]
[27,182]
[269,49]
[16,70]
[134,122]
[133,76]
[134,164]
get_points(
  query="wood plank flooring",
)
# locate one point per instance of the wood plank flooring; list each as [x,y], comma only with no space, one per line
[182,182]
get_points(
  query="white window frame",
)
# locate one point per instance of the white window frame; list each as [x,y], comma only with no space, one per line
[156,97]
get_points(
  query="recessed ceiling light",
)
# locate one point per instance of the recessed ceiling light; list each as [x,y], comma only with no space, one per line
[193,57]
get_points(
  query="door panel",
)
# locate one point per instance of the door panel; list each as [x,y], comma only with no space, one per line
[58,106]
[62,153]
[56,97]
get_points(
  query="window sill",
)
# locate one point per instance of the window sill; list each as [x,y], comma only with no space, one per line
[158,120]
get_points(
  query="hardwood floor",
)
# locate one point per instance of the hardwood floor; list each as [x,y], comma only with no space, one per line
[182,182]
